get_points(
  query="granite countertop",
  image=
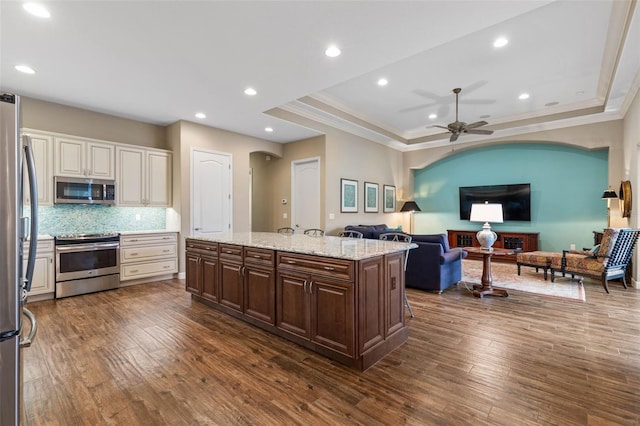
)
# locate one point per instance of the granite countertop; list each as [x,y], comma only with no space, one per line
[337,247]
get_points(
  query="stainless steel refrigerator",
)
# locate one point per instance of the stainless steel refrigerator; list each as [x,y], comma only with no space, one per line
[17,173]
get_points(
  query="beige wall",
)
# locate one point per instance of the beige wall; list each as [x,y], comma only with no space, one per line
[629,170]
[261,198]
[352,157]
[52,117]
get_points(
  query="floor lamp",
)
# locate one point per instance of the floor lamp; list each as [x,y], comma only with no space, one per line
[608,195]
[410,206]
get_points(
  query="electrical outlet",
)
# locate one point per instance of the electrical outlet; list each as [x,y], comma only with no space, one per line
[137,216]
[332,216]
[572,246]
[284,215]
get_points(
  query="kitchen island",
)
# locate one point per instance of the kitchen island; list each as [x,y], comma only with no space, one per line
[340,297]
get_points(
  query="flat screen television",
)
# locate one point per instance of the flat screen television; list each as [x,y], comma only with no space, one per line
[515,200]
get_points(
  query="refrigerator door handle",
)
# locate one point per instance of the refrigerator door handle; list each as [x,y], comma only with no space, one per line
[26,342]
[33,194]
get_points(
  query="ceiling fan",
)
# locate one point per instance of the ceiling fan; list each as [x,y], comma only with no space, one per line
[458,127]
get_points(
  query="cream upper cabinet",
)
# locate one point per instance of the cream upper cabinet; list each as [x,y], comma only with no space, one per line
[144,177]
[42,145]
[82,158]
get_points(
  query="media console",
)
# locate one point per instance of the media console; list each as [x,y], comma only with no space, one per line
[519,241]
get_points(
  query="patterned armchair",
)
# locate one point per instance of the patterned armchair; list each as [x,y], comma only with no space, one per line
[608,263]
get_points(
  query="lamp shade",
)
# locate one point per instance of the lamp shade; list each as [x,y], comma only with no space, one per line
[609,193]
[486,213]
[410,206]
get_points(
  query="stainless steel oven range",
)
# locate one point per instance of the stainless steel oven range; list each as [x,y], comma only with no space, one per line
[86,263]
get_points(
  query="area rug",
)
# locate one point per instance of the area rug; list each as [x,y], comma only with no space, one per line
[505,275]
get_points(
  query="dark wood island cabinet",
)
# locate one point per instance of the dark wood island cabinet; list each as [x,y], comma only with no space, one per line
[348,307]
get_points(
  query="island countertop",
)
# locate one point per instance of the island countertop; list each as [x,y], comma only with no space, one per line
[336,247]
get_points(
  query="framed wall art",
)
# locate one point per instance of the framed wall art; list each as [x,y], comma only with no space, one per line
[370,197]
[348,196]
[388,198]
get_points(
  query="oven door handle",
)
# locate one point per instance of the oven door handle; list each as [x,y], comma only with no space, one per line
[86,247]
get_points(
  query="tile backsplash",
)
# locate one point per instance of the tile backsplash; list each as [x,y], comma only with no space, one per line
[87,218]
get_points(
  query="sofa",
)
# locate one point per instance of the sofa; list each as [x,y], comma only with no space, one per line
[433,266]
[371,231]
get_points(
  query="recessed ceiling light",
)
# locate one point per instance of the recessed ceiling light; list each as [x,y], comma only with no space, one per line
[523,96]
[383,82]
[500,42]
[25,69]
[36,9]
[250,91]
[201,115]
[433,116]
[554,103]
[332,51]
[485,116]
[268,129]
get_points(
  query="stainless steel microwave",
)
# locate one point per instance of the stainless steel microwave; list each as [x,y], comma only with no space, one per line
[70,190]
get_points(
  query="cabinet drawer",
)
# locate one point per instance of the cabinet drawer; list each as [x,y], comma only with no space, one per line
[258,256]
[128,240]
[148,269]
[129,254]
[204,247]
[326,266]
[44,246]
[231,251]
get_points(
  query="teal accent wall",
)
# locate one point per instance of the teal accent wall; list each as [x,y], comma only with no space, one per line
[87,218]
[566,190]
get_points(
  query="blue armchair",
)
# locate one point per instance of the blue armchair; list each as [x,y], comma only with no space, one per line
[433,266]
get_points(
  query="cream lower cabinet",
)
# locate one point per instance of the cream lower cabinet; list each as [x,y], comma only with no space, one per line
[148,255]
[43,281]
[144,177]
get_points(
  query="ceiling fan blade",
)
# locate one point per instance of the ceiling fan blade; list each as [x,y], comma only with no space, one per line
[479,132]
[476,124]
[436,125]
[416,108]
[454,137]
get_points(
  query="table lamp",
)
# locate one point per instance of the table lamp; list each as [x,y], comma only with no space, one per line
[486,213]
[410,206]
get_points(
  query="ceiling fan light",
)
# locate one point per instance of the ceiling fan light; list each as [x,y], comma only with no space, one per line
[433,116]
[524,96]
[383,82]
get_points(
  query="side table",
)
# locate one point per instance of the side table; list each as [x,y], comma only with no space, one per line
[486,287]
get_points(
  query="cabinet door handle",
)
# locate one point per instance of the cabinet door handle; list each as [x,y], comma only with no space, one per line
[257,256]
[291,262]
[166,251]
[133,271]
[208,248]
[135,241]
[228,251]
[304,286]
[134,254]
[166,266]
[329,268]
[310,287]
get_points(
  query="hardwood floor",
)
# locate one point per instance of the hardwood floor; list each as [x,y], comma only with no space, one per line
[148,355]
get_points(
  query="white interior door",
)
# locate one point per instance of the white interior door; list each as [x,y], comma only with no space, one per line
[210,192]
[305,194]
